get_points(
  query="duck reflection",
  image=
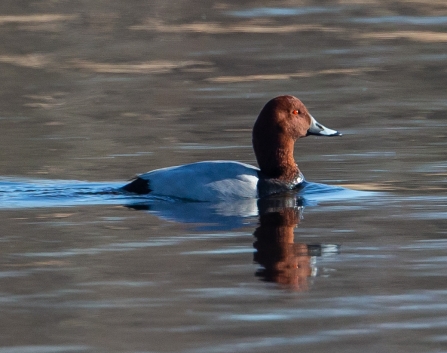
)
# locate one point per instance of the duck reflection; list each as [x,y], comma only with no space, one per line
[283,261]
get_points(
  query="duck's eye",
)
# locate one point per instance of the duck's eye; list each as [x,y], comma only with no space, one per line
[295,112]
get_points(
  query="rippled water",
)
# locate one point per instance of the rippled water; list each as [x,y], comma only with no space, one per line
[93,93]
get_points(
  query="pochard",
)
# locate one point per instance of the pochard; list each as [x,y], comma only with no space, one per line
[280,123]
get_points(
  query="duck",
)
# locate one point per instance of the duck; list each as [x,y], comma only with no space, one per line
[282,121]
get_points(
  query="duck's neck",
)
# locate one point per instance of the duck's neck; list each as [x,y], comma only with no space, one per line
[279,163]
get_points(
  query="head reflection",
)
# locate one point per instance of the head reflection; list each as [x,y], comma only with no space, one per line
[283,261]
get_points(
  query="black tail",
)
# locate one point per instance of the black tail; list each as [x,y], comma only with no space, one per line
[137,186]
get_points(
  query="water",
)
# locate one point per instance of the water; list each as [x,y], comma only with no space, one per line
[94,93]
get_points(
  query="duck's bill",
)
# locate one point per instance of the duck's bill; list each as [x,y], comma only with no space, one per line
[320,130]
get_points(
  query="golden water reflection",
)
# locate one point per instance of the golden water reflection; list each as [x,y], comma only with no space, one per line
[251,26]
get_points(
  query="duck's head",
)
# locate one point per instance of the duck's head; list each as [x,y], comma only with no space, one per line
[280,123]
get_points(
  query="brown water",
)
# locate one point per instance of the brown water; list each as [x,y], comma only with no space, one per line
[92,93]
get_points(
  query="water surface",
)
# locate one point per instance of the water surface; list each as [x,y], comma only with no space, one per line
[93,93]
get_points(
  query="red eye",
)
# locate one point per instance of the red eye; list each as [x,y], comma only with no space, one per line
[295,112]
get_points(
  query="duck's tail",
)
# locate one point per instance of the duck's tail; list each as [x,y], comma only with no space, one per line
[138,186]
